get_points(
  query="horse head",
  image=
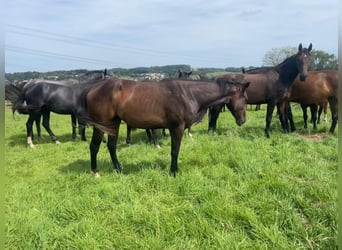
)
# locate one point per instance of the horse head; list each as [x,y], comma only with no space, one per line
[303,58]
[238,101]
[183,74]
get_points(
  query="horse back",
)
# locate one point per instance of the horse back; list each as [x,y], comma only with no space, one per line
[262,86]
[148,104]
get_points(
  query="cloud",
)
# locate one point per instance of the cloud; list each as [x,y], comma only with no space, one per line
[142,33]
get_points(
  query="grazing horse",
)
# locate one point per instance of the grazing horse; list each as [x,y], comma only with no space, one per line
[270,85]
[318,88]
[183,74]
[40,97]
[172,104]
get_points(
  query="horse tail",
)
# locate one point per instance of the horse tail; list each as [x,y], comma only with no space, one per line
[20,105]
[83,115]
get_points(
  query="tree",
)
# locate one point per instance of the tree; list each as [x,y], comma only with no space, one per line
[277,55]
[320,59]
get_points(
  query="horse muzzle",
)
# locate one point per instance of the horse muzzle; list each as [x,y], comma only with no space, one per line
[302,77]
[239,122]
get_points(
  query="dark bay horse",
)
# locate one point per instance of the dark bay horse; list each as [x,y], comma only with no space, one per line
[270,85]
[172,104]
[318,88]
[39,97]
[151,133]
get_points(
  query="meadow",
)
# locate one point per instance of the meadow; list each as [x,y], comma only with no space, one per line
[236,189]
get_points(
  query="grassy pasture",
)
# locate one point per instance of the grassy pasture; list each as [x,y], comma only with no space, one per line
[236,189]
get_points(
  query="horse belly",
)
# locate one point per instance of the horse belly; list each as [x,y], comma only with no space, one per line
[142,116]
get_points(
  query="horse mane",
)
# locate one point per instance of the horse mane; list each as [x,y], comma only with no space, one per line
[290,58]
[259,70]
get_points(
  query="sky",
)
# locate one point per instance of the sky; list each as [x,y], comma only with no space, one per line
[47,35]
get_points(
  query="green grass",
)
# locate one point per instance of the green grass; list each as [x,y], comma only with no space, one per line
[236,189]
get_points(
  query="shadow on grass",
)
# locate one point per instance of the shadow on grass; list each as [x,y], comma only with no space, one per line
[21,139]
[106,166]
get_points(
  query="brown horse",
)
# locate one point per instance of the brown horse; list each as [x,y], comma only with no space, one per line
[270,85]
[151,133]
[172,104]
[316,112]
[319,87]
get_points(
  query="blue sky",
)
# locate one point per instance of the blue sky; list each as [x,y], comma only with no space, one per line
[64,34]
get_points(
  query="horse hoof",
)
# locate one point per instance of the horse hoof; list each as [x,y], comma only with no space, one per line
[96,175]
[31,146]
[57,142]
[158,147]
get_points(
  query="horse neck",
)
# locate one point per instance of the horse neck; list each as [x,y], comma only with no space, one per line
[210,93]
[287,70]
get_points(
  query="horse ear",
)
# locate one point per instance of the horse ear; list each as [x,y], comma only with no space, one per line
[105,72]
[243,70]
[310,47]
[300,47]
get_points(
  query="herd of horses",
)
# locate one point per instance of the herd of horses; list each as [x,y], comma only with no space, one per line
[174,104]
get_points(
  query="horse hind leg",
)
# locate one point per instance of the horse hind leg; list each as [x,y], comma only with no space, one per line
[46,125]
[94,149]
[152,136]
[176,139]
[39,130]
[29,130]
[111,145]
[190,134]
[334,114]
[270,109]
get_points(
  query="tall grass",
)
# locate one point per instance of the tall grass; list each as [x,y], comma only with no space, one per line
[236,189]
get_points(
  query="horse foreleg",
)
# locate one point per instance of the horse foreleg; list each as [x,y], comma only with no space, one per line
[283,109]
[305,116]
[176,139]
[73,125]
[213,115]
[111,144]
[290,117]
[128,135]
[46,125]
[313,110]
[94,149]
[270,109]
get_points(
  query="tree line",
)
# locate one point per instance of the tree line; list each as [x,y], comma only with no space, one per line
[321,60]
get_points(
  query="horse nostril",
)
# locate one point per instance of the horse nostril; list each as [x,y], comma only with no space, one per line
[302,77]
[240,122]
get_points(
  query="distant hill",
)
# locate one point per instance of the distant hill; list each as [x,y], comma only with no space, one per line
[168,71]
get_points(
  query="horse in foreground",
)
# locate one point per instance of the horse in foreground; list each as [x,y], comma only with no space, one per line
[270,85]
[172,104]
